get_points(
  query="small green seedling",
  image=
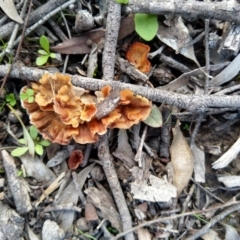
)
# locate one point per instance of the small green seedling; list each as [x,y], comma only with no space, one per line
[45,52]
[146,26]
[38,144]
[10,98]
[3,47]
[28,95]
[122,1]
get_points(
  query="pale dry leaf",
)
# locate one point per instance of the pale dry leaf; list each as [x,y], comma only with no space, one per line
[181,158]
[228,156]
[70,195]
[10,10]
[228,73]
[199,163]
[124,151]
[231,233]
[153,189]
[210,235]
[171,37]
[230,181]
[143,234]
[101,201]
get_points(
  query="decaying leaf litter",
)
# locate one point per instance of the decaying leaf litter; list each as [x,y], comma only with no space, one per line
[151,103]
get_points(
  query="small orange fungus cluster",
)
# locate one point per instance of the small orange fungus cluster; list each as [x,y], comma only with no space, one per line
[61,111]
[137,55]
[75,159]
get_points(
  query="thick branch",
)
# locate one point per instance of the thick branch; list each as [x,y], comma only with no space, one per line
[223,10]
[193,103]
[111,36]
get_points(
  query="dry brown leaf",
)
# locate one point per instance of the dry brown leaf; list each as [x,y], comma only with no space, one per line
[78,45]
[90,212]
[127,27]
[181,158]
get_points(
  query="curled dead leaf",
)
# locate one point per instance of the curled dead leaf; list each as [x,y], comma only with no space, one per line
[181,158]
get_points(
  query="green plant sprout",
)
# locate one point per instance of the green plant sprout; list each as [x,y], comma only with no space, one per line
[28,95]
[38,143]
[45,52]
[2,49]
[10,99]
[86,235]
[122,1]
[146,25]
[200,218]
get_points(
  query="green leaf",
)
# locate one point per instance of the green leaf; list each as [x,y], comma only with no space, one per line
[10,97]
[44,43]
[23,96]
[155,118]
[31,99]
[122,1]
[20,173]
[29,141]
[52,55]
[13,102]
[43,52]
[42,60]
[26,135]
[22,141]
[29,92]
[19,151]
[33,132]
[146,25]
[39,149]
[45,143]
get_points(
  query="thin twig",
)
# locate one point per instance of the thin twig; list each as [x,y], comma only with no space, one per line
[206,86]
[19,46]
[214,220]
[236,205]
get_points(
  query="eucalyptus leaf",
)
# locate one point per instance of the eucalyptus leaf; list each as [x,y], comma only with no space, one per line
[146,25]
[42,60]
[44,43]
[19,151]
[155,118]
